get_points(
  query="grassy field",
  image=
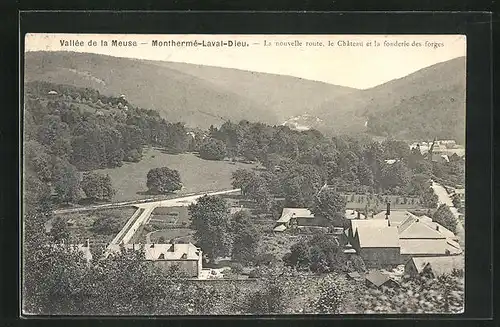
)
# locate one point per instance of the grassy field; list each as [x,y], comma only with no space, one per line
[177,234]
[197,175]
[80,224]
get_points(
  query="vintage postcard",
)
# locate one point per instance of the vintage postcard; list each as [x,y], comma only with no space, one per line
[243,174]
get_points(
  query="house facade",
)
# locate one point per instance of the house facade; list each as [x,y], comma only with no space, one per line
[186,257]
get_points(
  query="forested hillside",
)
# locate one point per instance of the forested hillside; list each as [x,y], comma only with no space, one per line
[426,104]
[197,95]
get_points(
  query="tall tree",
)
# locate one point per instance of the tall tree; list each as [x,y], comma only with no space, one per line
[243,179]
[211,220]
[331,205]
[55,134]
[246,238]
[66,181]
[213,149]
[445,217]
[98,187]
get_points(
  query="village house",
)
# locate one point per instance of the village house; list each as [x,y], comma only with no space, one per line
[434,266]
[187,257]
[298,217]
[302,217]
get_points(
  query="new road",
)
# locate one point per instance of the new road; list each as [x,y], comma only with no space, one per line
[144,210]
[140,203]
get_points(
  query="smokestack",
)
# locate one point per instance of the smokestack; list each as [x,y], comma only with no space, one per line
[359,215]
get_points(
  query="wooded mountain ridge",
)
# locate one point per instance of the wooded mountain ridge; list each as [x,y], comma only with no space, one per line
[430,101]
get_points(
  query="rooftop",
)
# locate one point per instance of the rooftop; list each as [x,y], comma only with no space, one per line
[420,230]
[289,213]
[423,246]
[377,236]
[396,217]
[155,252]
[377,278]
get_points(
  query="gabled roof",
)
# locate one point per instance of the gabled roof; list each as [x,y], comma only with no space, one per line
[171,252]
[154,252]
[396,217]
[420,230]
[441,229]
[423,246]
[288,213]
[377,278]
[377,237]
[440,265]
[375,223]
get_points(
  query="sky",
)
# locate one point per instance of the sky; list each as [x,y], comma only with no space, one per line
[360,66]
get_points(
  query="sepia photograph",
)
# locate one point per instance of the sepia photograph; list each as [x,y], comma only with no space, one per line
[210,174]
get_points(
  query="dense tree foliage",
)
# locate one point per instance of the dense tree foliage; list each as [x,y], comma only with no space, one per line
[321,254]
[98,187]
[95,131]
[163,180]
[331,205]
[212,223]
[246,238]
[213,149]
[445,217]
[444,294]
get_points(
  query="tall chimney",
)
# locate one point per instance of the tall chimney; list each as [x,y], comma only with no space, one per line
[359,215]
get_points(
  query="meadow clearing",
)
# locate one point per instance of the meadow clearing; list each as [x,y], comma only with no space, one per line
[197,175]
